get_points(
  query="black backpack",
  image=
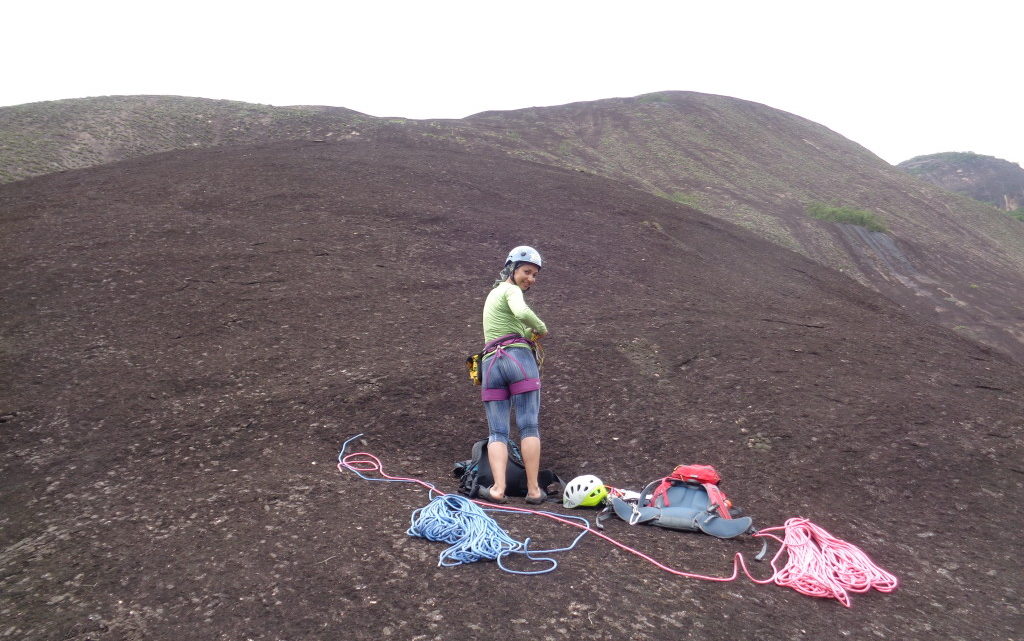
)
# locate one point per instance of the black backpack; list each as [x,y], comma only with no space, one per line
[476,473]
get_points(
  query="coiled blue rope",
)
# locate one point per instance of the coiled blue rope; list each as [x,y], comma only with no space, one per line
[472,534]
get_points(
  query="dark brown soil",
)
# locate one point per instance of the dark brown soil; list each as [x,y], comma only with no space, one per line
[188,338]
[955,262]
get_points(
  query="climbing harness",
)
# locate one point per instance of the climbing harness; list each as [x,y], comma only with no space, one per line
[495,349]
[818,564]
[474,362]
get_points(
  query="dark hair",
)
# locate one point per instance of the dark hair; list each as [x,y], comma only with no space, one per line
[506,271]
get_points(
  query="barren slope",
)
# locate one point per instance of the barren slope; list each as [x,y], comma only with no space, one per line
[45,137]
[953,260]
[189,337]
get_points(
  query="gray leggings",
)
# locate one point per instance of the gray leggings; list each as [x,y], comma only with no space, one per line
[499,375]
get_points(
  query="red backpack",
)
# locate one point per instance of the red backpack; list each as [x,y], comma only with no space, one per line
[700,475]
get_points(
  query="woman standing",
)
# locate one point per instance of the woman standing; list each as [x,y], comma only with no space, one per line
[510,373]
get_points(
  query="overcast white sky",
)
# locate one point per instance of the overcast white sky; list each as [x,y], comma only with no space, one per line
[902,78]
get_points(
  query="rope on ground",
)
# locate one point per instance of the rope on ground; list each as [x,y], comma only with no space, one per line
[455,519]
[821,565]
[818,563]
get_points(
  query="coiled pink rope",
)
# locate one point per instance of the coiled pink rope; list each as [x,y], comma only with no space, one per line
[818,564]
[822,565]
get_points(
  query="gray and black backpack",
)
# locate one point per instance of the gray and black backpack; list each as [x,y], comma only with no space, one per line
[475,473]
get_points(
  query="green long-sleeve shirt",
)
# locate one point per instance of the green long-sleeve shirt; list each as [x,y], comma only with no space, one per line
[506,312]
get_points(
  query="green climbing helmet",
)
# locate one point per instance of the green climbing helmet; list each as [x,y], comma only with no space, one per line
[584,491]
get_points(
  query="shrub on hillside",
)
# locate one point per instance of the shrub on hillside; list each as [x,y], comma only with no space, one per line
[837,214]
[694,201]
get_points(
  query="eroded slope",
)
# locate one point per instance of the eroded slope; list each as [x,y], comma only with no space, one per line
[189,337]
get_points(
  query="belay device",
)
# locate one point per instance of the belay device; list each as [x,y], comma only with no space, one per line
[687,499]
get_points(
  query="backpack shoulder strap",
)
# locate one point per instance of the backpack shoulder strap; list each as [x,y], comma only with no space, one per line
[479,450]
[515,455]
[468,472]
[649,493]
[661,491]
[717,498]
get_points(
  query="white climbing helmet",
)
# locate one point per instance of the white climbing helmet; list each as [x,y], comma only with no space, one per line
[586,491]
[524,254]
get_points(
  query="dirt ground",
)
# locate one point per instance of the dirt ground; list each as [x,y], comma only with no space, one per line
[188,338]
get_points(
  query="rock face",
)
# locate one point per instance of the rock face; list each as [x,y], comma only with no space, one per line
[188,338]
[955,261]
[985,178]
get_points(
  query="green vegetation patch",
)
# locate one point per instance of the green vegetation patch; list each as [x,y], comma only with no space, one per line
[841,214]
[696,201]
[1016,213]
[948,156]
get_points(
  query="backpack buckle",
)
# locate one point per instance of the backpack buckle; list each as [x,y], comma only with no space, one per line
[634,518]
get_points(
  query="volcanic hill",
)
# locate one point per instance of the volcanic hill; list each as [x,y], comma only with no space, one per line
[189,337]
[951,259]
